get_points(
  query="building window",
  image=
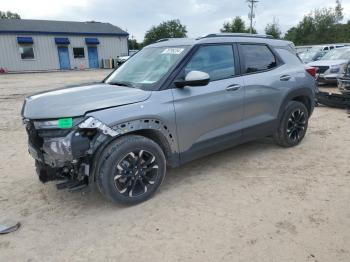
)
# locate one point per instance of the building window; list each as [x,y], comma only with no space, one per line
[26,51]
[78,52]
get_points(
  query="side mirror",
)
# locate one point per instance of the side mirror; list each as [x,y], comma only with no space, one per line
[194,78]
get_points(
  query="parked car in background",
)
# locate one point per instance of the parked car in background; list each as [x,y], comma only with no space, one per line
[122,59]
[306,48]
[327,47]
[344,81]
[133,51]
[312,55]
[332,65]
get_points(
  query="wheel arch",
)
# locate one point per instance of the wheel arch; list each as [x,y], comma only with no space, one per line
[158,137]
[152,129]
[303,95]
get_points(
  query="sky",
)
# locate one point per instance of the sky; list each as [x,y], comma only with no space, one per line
[200,16]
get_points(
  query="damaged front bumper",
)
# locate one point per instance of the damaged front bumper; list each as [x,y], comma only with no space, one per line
[66,154]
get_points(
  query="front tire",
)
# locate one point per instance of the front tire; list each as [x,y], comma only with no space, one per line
[131,169]
[293,125]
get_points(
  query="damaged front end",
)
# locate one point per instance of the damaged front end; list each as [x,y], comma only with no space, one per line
[64,149]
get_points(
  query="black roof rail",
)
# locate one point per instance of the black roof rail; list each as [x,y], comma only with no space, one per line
[236,35]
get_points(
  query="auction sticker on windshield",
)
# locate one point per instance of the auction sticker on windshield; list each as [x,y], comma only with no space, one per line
[174,51]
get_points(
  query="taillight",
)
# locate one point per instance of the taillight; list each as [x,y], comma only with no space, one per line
[311,70]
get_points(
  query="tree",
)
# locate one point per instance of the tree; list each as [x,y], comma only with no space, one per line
[167,29]
[253,31]
[9,15]
[291,34]
[338,11]
[133,44]
[320,27]
[236,26]
[273,29]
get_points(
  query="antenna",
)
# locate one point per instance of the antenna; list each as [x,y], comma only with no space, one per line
[251,15]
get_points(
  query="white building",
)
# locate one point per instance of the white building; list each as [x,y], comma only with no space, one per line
[35,45]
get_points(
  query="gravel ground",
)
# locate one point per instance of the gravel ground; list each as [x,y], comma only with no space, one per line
[255,202]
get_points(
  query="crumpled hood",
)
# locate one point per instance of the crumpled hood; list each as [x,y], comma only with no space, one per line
[328,62]
[76,101]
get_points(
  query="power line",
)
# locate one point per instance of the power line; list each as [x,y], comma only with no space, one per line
[251,15]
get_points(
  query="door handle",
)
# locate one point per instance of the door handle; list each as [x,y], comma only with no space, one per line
[285,78]
[233,87]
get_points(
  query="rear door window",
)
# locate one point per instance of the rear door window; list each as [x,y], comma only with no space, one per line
[256,58]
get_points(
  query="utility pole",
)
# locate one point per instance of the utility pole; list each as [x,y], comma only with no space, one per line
[251,15]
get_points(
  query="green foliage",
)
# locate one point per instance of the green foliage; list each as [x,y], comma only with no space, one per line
[338,11]
[133,44]
[168,29]
[236,26]
[273,29]
[9,15]
[321,26]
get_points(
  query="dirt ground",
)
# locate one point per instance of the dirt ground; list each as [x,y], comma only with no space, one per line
[255,202]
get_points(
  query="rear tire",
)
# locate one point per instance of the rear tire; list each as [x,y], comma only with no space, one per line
[293,125]
[131,169]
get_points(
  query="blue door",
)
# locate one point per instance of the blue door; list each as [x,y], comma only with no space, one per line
[93,56]
[63,56]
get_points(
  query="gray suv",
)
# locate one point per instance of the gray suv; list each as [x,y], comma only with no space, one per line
[174,101]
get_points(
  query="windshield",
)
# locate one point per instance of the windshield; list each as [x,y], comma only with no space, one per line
[147,67]
[336,54]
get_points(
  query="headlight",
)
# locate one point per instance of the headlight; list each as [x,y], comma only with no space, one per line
[62,123]
[337,69]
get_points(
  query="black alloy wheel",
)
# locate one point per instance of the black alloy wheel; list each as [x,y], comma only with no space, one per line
[136,173]
[130,169]
[296,125]
[293,124]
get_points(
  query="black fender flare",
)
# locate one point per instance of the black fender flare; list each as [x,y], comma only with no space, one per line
[295,93]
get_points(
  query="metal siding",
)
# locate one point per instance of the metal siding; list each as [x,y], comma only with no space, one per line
[46,54]
[77,63]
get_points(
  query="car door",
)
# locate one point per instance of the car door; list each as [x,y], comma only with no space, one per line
[208,117]
[266,80]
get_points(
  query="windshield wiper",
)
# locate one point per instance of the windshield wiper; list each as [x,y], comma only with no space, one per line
[116,83]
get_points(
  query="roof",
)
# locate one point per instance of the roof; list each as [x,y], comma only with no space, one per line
[221,38]
[27,26]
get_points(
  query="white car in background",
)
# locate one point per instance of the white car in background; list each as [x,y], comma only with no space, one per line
[327,47]
[122,59]
[332,65]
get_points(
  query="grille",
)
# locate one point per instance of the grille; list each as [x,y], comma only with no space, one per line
[50,133]
[322,69]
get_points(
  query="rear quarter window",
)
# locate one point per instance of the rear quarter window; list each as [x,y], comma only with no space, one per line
[288,56]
